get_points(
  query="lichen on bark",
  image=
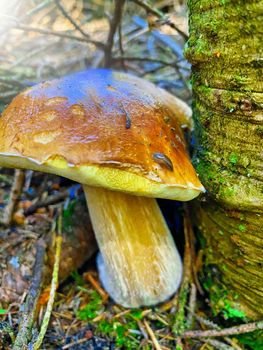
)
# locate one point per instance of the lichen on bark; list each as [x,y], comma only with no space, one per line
[225,49]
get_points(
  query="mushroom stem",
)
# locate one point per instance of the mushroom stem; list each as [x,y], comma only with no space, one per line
[140,262]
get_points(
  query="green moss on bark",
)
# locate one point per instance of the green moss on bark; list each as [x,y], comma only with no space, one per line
[225,49]
[233,271]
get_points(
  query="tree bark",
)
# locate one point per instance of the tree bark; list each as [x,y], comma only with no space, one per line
[225,49]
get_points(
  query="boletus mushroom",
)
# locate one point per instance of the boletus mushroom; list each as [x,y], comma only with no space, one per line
[120,137]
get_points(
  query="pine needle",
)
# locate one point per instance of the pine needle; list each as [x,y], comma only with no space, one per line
[152,336]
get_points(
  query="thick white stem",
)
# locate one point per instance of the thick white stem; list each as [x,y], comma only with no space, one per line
[140,262]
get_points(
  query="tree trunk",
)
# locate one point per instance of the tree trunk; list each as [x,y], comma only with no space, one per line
[225,49]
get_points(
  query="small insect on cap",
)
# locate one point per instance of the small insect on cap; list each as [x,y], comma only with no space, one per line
[102,128]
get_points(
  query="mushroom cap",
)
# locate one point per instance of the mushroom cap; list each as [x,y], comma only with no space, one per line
[102,128]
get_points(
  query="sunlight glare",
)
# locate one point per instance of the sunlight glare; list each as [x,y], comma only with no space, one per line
[8,11]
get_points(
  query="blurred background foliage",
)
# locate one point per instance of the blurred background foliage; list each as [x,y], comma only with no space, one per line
[43,39]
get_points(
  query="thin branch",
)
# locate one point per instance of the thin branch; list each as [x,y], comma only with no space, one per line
[53,288]
[241,329]
[53,199]
[114,23]
[192,250]
[213,325]
[71,20]
[74,344]
[16,190]
[120,40]
[150,9]
[217,344]
[192,305]
[38,8]
[121,46]
[30,307]
[180,322]
[26,28]
[148,59]
[203,320]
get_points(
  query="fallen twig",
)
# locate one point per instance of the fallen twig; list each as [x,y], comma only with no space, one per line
[95,284]
[218,344]
[213,325]
[142,329]
[53,288]
[203,320]
[53,199]
[192,305]
[16,190]
[240,329]
[30,307]
[180,322]
[78,342]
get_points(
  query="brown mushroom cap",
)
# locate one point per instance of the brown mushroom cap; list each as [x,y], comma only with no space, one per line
[102,128]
